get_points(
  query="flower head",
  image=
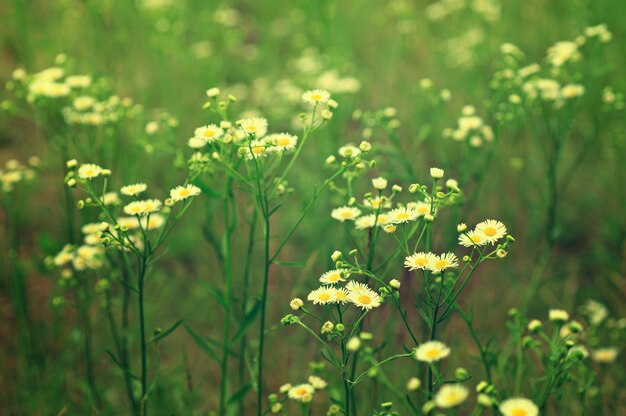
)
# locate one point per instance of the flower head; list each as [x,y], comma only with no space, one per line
[518,406]
[451,395]
[322,295]
[442,262]
[364,297]
[431,351]
[301,393]
[133,190]
[334,276]
[254,126]
[181,193]
[281,142]
[419,260]
[89,171]
[491,230]
[314,97]
[402,215]
[345,213]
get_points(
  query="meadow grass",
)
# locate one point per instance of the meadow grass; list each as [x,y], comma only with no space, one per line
[342,208]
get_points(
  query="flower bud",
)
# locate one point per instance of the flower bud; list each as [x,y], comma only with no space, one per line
[296,304]
[353,344]
[413,384]
[436,173]
[379,183]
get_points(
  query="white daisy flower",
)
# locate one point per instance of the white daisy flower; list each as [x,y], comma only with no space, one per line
[518,406]
[345,213]
[419,260]
[431,351]
[491,230]
[183,192]
[334,276]
[443,262]
[134,189]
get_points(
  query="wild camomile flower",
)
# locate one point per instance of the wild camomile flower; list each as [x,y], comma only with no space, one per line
[111,198]
[422,208]
[604,355]
[431,351]
[318,383]
[89,171]
[254,126]
[491,230]
[471,239]
[316,97]
[302,393]
[364,298]
[518,406]
[208,133]
[451,395]
[135,208]
[183,192]
[334,276]
[340,294]
[352,286]
[128,222]
[402,215]
[443,262]
[134,189]
[366,221]
[281,142]
[322,295]
[151,205]
[419,260]
[345,213]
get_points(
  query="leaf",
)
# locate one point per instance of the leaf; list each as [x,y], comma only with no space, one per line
[207,189]
[215,293]
[167,332]
[273,210]
[201,344]
[121,367]
[239,394]
[130,286]
[247,321]
[424,314]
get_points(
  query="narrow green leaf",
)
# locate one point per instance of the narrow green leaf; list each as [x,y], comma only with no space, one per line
[121,367]
[167,332]
[247,321]
[239,394]
[201,344]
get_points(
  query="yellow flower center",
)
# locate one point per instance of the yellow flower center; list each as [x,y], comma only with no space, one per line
[432,354]
[441,264]
[283,141]
[209,133]
[334,277]
[324,297]
[301,391]
[364,299]
[340,295]
[316,97]
[490,231]
[346,214]
[423,210]
[257,150]
[184,192]
[403,216]
[422,261]
[519,412]
[475,239]
[251,129]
